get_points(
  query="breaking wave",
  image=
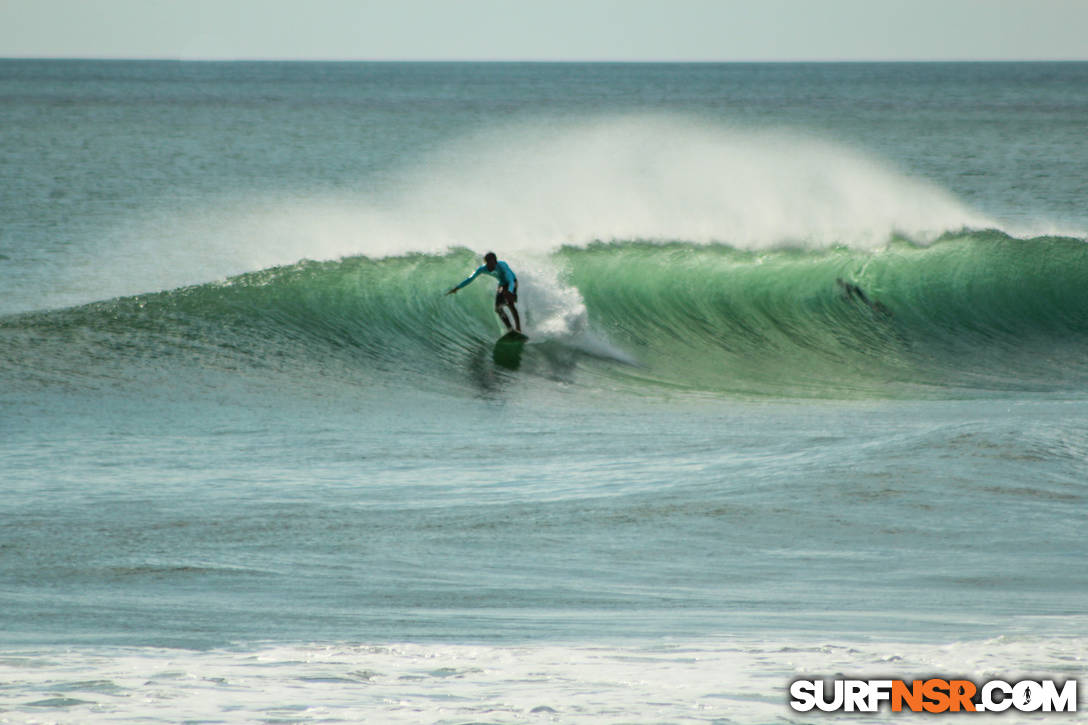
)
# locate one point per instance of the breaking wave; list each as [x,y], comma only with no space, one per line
[973,313]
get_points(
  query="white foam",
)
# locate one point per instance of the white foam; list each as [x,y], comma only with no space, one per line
[555,310]
[741,680]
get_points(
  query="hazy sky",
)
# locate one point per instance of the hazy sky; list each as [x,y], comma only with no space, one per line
[548,29]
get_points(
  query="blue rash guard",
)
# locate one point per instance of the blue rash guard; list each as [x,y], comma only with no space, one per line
[502,272]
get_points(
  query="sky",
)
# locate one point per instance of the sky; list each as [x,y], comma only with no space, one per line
[547,30]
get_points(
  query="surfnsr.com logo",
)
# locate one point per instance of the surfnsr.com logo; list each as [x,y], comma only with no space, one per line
[934,695]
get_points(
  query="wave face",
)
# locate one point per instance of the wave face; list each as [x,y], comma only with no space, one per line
[974,313]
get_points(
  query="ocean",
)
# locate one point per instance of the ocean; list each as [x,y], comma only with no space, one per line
[805,392]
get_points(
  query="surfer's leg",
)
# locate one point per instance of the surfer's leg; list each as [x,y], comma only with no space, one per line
[502,297]
[503,317]
[508,298]
[514,312]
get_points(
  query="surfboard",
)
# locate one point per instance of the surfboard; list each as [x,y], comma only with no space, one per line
[508,349]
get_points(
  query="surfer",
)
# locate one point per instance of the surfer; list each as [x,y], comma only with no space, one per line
[852,292]
[507,294]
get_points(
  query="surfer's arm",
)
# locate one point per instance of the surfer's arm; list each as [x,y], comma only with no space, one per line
[475,274]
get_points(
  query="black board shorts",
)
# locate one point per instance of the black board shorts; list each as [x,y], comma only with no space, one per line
[502,296]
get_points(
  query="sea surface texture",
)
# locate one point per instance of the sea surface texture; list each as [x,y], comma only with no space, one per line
[805,390]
